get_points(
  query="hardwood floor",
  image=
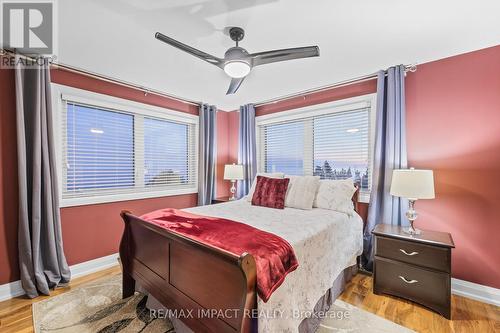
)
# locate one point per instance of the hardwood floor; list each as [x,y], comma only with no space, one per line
[467,315]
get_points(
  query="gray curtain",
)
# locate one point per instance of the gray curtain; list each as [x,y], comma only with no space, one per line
[389,154]
[42,262]
[207,154]
[247,155]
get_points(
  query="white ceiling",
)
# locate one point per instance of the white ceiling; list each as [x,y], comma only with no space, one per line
[116,38]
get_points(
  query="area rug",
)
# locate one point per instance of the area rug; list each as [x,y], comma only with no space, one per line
[97,307]
[347,318]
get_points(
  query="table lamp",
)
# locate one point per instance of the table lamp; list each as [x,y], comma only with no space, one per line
[412,184]
[233,172]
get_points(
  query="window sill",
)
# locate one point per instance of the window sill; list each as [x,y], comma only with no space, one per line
[364,197]
[103,199]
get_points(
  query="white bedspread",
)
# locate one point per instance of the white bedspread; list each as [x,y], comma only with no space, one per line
[325,243]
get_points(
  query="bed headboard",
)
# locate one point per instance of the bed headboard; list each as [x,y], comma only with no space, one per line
[355,198]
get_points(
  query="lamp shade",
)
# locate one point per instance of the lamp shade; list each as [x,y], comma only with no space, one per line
[413,184]
[233,172]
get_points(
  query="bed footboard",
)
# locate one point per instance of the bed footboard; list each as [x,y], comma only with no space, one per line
[209,289]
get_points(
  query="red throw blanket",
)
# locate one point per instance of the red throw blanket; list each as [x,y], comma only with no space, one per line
[274,256]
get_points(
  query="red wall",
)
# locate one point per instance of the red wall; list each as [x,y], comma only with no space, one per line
[227,148]
[8,181]
[222,153]
[330,95]
[103,87]
[453,127]
[233,131]
[90,231]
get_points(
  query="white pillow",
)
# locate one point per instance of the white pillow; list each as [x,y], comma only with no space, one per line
[279,175]
[301,191]
[336,195]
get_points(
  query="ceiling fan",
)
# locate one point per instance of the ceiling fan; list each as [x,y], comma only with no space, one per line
[237,62]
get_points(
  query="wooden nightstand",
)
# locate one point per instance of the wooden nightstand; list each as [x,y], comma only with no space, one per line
[220,200]
[416,267]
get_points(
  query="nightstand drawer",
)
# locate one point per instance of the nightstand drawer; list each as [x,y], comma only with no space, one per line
[414,253]
[426,287]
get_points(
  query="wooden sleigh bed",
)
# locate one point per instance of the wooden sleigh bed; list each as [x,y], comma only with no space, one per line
[212,290]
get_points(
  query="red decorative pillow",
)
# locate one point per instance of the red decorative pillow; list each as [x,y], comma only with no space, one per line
[270,192]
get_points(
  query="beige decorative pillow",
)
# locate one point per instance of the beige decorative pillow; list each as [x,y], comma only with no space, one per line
[301,191]
[336,195]
[279,175]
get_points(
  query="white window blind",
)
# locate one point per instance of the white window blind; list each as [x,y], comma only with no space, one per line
[168,154]
[342,146]
[331,144]
[112,152]
[284,147]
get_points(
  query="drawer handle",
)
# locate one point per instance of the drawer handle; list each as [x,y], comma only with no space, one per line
[407,281]
[414,253]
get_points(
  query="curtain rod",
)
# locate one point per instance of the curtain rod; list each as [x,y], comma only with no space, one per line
[146,90]
[123,83]
[408,68]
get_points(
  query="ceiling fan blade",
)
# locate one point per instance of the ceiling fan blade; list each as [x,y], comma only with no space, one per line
[234,85]
[268,57]
[191,50]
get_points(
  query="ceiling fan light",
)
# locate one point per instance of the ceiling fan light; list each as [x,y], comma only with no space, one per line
[237,69]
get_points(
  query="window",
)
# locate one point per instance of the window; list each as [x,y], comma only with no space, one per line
[113,150]
[333,141]
[341,146]
[100,150]
[166,154]
[284,143]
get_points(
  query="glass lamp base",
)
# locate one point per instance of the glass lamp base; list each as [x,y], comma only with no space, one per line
[412,215]
[412,231]
[232,190]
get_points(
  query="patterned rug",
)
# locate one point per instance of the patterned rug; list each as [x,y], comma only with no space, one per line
[98,307]
[353,319]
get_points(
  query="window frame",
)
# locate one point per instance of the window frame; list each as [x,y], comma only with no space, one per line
[62,94]
[347,104]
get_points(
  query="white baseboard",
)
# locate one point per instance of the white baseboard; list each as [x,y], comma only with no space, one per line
[14,289]
[476,291]
[10,290]
[94,265]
